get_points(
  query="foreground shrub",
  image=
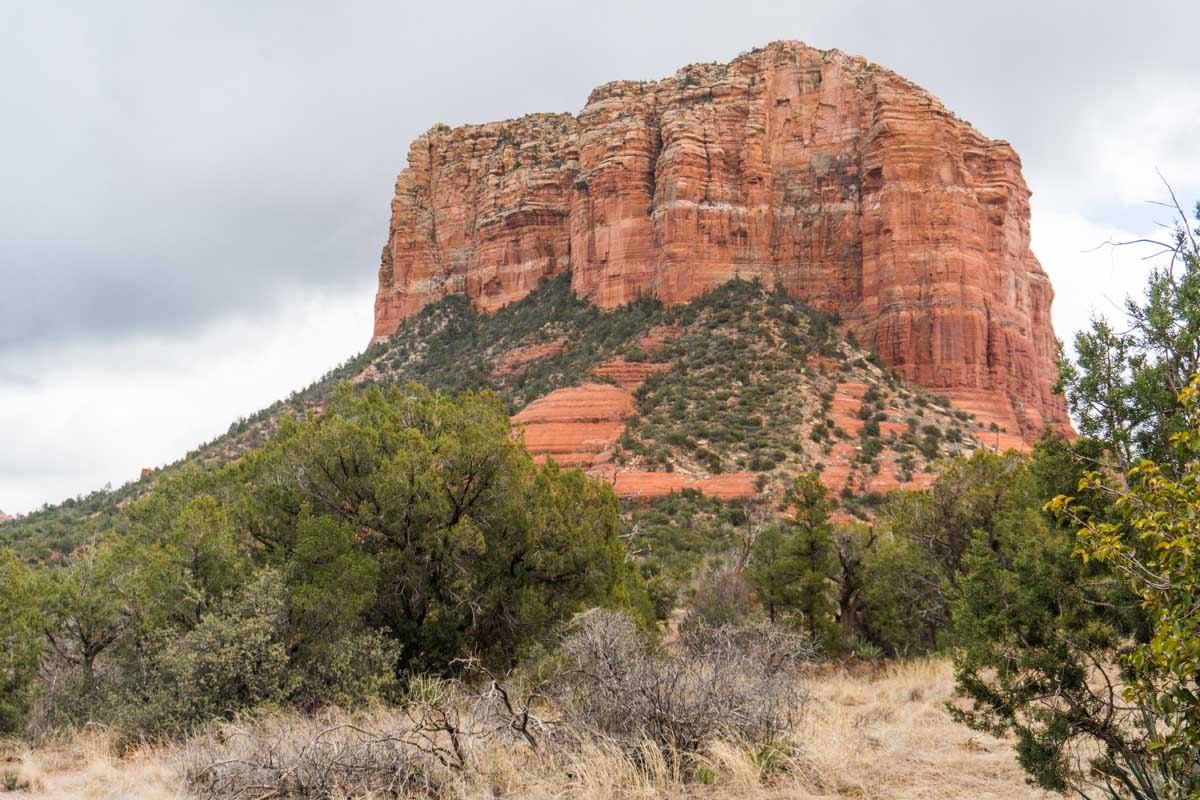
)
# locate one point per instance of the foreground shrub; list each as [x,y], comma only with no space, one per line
[731,682]
[610,698]
[288,756]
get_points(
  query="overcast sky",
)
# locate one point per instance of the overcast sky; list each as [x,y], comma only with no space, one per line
[193,196]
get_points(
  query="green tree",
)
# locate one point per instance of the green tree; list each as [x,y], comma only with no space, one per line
[477,549]
[1036,633]
[924,537]
[775,570]
[1078,633]
[1153,541]
[903,606]
[95,604]
[855,544]
[793,562]
[21,639]
[1124,391]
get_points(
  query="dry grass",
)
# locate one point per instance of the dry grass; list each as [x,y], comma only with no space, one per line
[85,767]
[889,736]
[880,735]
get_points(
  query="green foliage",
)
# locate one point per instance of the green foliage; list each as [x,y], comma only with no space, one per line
[1124,391]
[793,563]
[740,393]
[104,597]
[53,531]
[733,379]
[902,598]
[918,561]
[673,536]
[234,659]
[1152,541]
[452,348]
[244,655]
[476,547]
[1083,642]
[394,532]
[20,639]
[1034,629]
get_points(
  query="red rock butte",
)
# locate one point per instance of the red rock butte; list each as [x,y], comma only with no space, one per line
[839,180]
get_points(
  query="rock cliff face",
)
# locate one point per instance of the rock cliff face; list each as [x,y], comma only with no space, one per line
[836,179]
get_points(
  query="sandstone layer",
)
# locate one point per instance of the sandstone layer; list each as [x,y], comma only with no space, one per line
[837,180]
[577,426]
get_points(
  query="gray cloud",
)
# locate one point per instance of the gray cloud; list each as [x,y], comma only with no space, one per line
[167,168]
[167,163]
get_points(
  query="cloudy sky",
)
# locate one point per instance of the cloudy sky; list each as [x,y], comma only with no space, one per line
[193,195]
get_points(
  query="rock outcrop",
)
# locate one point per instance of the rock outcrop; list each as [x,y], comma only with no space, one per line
[838,180]
[577,426]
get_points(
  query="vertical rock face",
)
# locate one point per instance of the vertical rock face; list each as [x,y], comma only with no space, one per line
[838,180]
[482,210]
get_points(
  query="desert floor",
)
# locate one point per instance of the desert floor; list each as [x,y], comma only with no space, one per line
[869,733]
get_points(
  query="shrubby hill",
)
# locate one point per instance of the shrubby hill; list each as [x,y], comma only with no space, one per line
[732,394]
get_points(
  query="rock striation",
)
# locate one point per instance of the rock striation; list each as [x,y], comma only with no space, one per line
[576,426]
[840,181]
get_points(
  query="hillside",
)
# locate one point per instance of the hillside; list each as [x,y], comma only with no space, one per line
[731,394]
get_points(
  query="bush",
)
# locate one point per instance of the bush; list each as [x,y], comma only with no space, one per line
[235,659]
[244,656]
[722,597]
[730,682]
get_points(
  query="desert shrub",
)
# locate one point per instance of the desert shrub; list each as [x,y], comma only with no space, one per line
[243,655]
[323,756]
[721,596]
[931,441]
[871,445]
[442,731]
[234,659]
[730,682]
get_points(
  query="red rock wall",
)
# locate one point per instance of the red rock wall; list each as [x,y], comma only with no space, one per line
[854,189]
